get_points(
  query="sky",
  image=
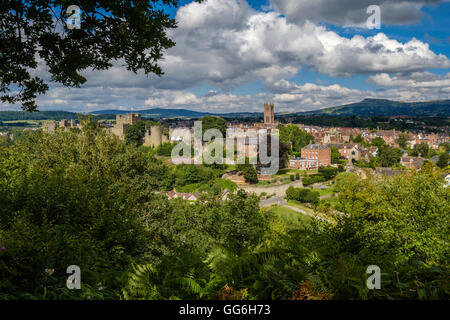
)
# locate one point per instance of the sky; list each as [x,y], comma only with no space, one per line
[234,55]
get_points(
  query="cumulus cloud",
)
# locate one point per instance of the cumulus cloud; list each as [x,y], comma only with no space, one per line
[413,80]
[226,43]
[419,85]
[351,12]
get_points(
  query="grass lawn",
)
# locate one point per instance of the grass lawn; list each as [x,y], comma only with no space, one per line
[293,219]
[324,192]
[332,200]
[300,206]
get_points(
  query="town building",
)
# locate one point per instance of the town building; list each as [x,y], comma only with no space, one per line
[269,114]
[349,151]
[303,164]
[319,152]
[412,162]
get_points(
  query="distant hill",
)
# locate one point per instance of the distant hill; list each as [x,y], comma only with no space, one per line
[158,113]
[176,113]
[41,115]
[365,108]
[379,107]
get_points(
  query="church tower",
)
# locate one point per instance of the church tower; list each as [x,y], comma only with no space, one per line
[269,115]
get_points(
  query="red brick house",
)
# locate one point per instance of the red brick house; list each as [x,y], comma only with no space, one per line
[318,152]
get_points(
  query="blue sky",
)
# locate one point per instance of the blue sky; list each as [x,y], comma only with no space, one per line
[233,55]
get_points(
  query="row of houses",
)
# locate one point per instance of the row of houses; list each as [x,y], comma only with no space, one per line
[339,135]
[316,155]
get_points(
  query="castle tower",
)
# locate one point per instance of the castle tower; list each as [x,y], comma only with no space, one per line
[155,138]
[123,121]
[269,115]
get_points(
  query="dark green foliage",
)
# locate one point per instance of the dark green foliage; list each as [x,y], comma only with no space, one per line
[446,146]
[134,134]
[249,171]
[335,155]
[403,140]
[213,122]
[324,174]
[87,198]
[443,160]
[295,138]
[311,179]
[358,139]
[420,149]
[302,195]
[165,149]
[250,174]
[378,142]
[389,156]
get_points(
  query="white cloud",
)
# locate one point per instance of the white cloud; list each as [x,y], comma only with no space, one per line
[415,80]
[226,43]
[351,12]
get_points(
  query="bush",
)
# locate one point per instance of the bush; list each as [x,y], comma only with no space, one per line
[312,197]
[309,180]
[302,195]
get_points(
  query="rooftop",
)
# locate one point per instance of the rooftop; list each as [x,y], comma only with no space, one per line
[316,146]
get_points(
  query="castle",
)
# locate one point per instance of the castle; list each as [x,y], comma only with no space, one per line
[50,126]
[155,137]
[124,121]
[152,138]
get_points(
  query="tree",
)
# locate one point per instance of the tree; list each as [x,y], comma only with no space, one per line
[130,31]
[165,149]
[135,133]
[359,139]
[250,174]
[420,149]
[335,155]
[378,142]
[389,156]
[443,160]
[213,122]
[445,146]
[294,137]
[403,140]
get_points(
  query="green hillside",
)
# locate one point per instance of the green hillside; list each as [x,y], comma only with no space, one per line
[379,107]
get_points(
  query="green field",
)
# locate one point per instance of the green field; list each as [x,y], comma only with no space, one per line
[293,219]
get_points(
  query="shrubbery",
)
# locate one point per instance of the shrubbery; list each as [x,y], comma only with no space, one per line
[302,195]
[88,199]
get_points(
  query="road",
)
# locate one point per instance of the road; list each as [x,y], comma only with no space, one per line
[280,190]
[271,201]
